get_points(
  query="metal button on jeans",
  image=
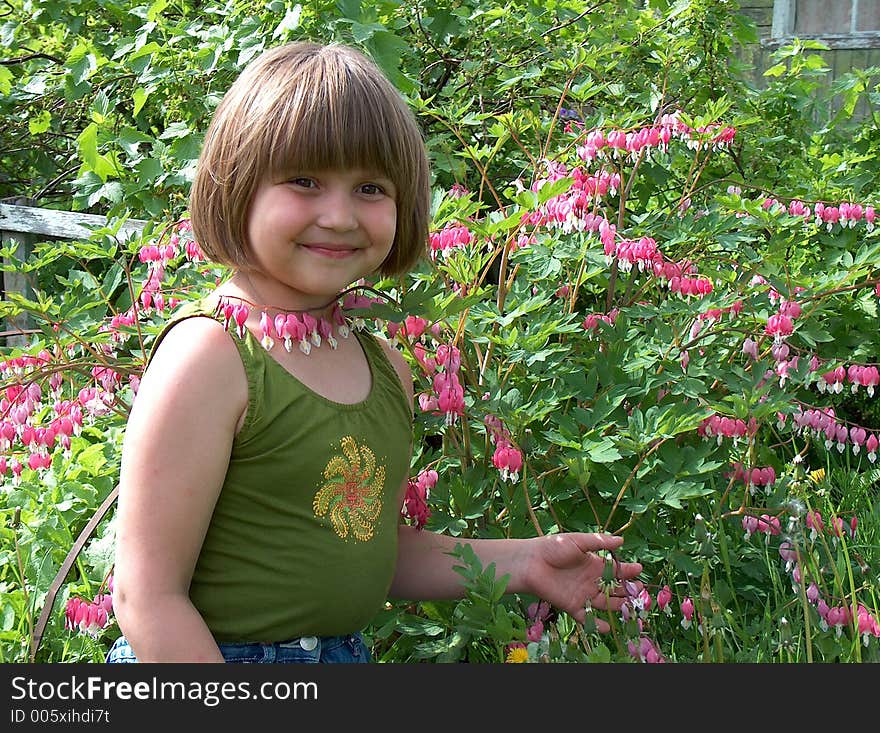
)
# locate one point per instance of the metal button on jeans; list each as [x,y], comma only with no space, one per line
[308,642]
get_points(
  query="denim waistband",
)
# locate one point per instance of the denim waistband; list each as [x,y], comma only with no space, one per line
[345,649]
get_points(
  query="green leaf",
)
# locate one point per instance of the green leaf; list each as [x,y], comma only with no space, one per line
[527,199]
[672,493]
[600,654]
[555,188]
[386,49]
[82,64]
[130,140]
[87,142]
[813,333]
[139,97]
[156,9]
[149,169]
[684,563]
[100,107]
[289,22]
[112,279]
[415,626]
[566,441]
[175,130]
[362,32]
[145,51]
[110,191]
[350,9]
[92,459]
[674,420]
[7,619]
[40,123]
[88,145]
[5,80]
[601,451]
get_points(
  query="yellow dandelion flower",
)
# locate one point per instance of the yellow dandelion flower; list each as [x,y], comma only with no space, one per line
[817,476]
[517,655]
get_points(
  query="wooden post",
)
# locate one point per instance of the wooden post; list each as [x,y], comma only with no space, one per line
[15,281]
[783,18]
[23,226]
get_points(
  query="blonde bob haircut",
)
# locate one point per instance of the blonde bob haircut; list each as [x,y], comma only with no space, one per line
[308,107]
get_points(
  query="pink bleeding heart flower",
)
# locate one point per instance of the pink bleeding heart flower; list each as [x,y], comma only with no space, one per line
[687,612]
[664,597]
[240,315]
[535,631]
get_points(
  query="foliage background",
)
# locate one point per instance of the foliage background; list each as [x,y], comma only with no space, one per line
[105,104]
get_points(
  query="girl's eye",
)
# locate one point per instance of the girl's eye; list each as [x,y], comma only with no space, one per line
[372,189]
[302,182]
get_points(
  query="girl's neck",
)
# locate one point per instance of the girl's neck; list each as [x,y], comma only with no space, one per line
[248,289]
[242,307]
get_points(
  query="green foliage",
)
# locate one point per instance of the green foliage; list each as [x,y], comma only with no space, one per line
[602,375]
[476,629]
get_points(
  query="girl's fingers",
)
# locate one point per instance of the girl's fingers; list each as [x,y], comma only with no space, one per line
[592,541]
[627,570]
[609,603]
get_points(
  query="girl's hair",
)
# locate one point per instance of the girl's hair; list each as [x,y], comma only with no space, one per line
[306,107]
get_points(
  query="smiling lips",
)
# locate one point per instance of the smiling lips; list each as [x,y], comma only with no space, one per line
[336,252]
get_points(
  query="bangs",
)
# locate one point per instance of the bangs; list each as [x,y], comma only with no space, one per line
[337,121]
[302,108]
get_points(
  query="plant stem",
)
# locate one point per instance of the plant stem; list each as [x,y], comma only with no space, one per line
[16,523]
[531,510]
[805,607]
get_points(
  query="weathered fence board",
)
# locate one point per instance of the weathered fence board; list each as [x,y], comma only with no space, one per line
[21,226]
[57,224]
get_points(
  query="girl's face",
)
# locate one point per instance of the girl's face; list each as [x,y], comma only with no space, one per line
[314,233]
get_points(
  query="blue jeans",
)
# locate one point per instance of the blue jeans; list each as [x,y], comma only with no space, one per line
[348,649]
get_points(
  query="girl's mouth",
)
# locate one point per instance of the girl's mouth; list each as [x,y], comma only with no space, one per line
[331,251]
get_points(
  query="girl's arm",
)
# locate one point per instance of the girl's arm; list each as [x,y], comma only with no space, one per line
[174,459]
[562,569]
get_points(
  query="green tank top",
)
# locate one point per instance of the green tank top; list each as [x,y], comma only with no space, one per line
[303,538]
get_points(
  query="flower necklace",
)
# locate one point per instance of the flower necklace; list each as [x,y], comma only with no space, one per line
[290,326]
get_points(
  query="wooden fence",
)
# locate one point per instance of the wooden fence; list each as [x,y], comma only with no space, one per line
[778,22]
[21,226]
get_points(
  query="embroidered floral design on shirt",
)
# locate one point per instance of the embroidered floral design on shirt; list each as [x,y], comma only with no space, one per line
[352,491]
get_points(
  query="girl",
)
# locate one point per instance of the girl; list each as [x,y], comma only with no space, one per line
[266,458]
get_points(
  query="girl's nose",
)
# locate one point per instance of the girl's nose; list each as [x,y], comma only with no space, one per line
[337,212]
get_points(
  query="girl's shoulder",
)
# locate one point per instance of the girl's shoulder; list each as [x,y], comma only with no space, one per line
[195,340]
[195,373]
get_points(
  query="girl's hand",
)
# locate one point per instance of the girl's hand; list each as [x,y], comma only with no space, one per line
[565,570]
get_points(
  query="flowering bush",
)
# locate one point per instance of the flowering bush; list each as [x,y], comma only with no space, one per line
[646,312]
[700,395]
